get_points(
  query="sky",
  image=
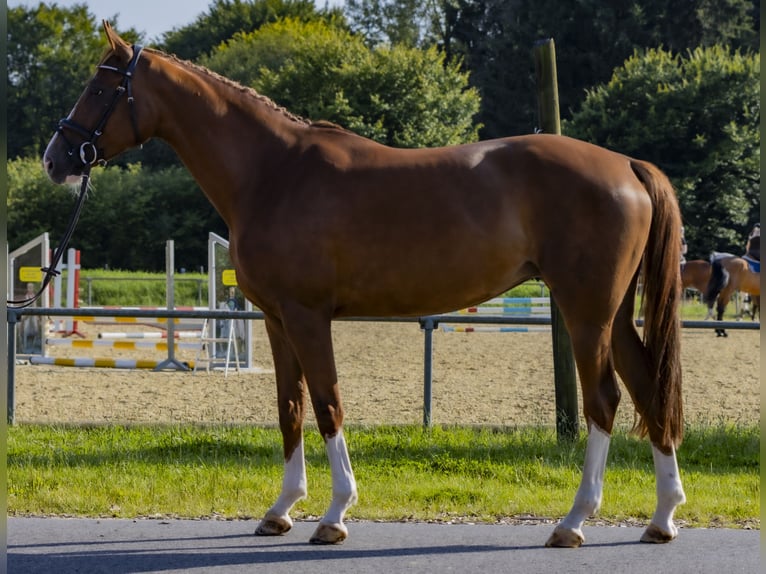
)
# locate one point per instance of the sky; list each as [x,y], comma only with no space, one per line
[164,14]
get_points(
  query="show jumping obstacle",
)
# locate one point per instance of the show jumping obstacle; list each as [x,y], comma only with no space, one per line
[119,344]
[102,363]
[325,224]
[504,307]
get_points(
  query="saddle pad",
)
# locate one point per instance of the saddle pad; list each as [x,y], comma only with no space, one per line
[755,266]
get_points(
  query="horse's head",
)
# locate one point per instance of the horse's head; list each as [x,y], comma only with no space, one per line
[105,121]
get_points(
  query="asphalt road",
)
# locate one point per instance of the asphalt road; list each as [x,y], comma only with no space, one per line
[61,546]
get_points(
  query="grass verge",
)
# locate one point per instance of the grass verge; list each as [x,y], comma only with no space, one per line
[452,473]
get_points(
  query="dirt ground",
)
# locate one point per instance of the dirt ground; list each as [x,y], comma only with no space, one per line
[479,378]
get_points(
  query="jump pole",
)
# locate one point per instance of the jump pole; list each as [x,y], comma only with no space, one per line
[171,362]
[564,374]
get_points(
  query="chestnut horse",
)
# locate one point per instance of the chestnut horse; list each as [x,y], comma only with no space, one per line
[729,275]
[325,224]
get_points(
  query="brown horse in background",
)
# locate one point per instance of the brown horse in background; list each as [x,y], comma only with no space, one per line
[695,274]
[731,274]
[325,224]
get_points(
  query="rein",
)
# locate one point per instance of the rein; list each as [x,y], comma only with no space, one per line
[50,271]
[88,155]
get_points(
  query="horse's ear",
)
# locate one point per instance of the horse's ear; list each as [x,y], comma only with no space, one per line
[118,45]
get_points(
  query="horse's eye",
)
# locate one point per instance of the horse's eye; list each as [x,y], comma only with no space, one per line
[96,91]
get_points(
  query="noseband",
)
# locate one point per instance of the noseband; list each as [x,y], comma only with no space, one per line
[88,153]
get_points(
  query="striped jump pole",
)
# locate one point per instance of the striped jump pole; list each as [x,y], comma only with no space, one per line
[518,301]
[149,335]
[510,306]
[100,363]
[121,344]
[506,311]
[492,329]
[120,318]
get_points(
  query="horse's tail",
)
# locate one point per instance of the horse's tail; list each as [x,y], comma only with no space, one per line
[661,300]
[719,278]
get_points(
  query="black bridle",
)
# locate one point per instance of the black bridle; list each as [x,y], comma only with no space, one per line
[88,155]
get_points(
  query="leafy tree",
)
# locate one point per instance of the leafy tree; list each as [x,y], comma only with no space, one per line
[51,52]
[226,18]
[397,95]
[126,220]
[496,38]
[408,22]
[698,118]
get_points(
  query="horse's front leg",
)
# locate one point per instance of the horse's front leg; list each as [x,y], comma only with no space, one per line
[290,396]
[568,533]
[310,335]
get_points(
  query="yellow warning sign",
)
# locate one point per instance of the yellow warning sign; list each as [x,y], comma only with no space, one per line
[229,277]
[30,274]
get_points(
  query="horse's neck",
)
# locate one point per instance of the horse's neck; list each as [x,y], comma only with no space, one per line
[220,132]
[754,247]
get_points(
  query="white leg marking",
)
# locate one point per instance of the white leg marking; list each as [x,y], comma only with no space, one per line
[294,485]
[588,498]
[343,482]
[670,492]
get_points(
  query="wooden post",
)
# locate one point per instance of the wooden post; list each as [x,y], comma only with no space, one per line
[565,378]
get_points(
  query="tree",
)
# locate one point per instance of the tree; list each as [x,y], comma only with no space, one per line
[127,218]
[400,96]
[51,51]
[496,38]
[407,22]
[226,18]
[698,118]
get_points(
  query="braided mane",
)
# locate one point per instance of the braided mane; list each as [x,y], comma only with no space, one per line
[245,90]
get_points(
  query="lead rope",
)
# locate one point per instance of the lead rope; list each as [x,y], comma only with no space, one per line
[50,271]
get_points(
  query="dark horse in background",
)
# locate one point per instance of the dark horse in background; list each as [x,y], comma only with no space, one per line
[325,224]
[729,275]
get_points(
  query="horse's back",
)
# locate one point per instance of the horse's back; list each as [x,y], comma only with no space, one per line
[430,230]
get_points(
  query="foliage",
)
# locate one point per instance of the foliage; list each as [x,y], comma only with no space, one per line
[226,18]
[399,95]
[51,51]
[396,95]
[129,215]
[698,118]
[103,287]
[496,37]
[443,473]
[407,22]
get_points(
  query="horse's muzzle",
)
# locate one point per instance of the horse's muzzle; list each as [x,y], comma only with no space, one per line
[58,166]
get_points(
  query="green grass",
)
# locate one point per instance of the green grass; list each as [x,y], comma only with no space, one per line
[112,287]
[402,472]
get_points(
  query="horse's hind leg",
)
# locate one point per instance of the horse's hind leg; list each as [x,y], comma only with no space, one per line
[723,300]
[601,395]
[290,396]
[631,363]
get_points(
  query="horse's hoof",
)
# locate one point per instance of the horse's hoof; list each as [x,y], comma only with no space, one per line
[655,535]
[329,534]
[565,538]
[273,525]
